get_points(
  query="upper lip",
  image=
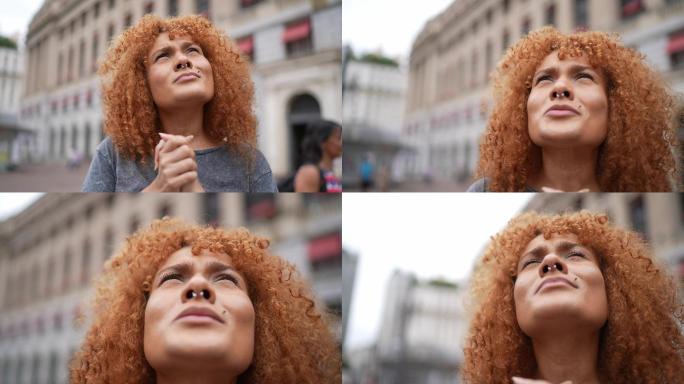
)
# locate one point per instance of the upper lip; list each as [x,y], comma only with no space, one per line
[552,280]
[561,107]
[200,311]
[186,74]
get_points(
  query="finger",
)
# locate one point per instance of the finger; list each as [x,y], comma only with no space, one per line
[181,153]
[174,141]
[183,179]
[182,166]
[160,145]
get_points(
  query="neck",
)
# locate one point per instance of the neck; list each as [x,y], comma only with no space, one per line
[326,162]
[185,122]
[567,357]
[212,377]
[567,170]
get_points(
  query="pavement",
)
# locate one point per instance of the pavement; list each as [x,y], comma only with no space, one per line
[418,186]
[47,177]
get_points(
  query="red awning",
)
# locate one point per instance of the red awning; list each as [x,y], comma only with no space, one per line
[632,7]
[676,43]
[297,31]
[246,45]
[325,247]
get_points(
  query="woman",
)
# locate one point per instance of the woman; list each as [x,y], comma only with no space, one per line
[321,146]
[578,112]
[183,303]
[572,298]
[177,101]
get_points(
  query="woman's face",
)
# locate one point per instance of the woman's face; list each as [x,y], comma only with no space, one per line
[199,315]
[559,286]
[333,144]
[567,106]
[178,73]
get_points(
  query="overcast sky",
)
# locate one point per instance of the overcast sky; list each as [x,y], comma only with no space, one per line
[15,15]
[13,203]
[435,235]
[386,25]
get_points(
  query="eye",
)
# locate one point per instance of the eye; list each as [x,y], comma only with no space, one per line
[159,56]
[227,277]
[528,262]
[575,254]
[170,276]
[193,49]
[543,78]
[584,75]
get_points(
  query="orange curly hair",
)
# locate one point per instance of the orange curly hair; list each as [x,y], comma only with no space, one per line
[645,314]
[131,117]
[293,342]
[638,153]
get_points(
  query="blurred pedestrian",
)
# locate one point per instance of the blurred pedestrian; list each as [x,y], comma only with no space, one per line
[320,147]
[578,112]
[572,297]
[367,172]
[178,106]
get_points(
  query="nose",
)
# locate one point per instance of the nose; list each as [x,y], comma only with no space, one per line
[552,263]
[561,90]
[198,289]
[183,62]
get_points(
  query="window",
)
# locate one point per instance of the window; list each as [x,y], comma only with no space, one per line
[112,3]
[133,224]
[489,16]
[108,243]
[149,7]
[70,64]
[675,49]
[550,18]
[128,20]
[581,14]
[85,262]
[66,270]
[60,69]
[631,8]
[473,70]
[94,53]
[211,206]
[526,26]
[246,46]
[84,18]
[505,37]
[637,214]
[173,7]
[96,10]
[297,38]
[81,59]
[202,8]
[164,210]
[505,4]
[110,32]
[249,3]
[260,206]
[488,61]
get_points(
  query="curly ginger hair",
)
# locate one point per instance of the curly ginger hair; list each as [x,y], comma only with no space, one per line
[131,117]
[639,152]
[645,313]
[293,342]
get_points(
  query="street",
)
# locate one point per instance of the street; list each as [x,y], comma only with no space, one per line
[49,177]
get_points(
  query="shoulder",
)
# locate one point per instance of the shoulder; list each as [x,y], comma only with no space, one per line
[479,185]
[309,170]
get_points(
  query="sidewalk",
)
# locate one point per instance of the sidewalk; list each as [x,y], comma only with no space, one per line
[48,177]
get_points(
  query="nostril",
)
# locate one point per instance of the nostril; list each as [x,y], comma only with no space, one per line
[559,266]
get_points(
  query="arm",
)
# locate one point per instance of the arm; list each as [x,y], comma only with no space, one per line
[307,179]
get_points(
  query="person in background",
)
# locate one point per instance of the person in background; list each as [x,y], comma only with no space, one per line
[321,146]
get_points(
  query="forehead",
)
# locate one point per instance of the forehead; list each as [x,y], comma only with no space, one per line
[552,241]
[552,60]
[164,40]
[185,255]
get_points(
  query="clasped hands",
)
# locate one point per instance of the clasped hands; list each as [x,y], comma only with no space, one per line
[176,166]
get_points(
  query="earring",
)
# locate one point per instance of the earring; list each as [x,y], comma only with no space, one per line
[191,295]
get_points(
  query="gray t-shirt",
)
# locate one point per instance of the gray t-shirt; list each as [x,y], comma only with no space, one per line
[482,185]
[218,169]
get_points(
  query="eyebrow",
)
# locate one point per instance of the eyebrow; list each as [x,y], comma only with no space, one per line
[211,268]
[542,250]
[169,47]
[573,68]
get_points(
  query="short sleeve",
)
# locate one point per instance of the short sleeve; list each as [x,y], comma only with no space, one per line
[262,177]
[101,175]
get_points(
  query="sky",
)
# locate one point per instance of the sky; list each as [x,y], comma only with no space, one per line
[386,25]
[16,15]
[436,235]
[13,203]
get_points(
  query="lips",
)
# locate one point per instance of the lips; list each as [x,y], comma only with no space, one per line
[561,110]
[200,312]
[187,75]
[555,280]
